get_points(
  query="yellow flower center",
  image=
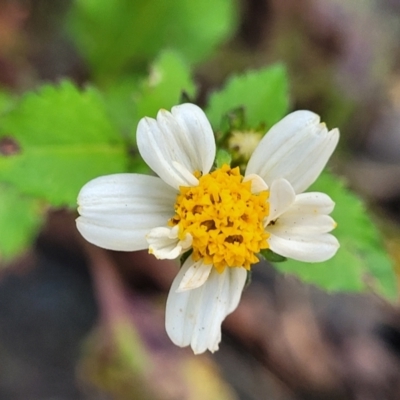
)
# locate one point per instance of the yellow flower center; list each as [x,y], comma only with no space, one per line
[224,218]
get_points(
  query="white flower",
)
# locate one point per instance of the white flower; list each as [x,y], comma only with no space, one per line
[224,218]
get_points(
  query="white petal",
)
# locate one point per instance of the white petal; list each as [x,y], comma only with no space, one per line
[185,174]
[164,243]
[305,248]
[183,136]
[312,203]
[297,148]
[302,224]
[306,216]
[117,211]
[281,197]
[194,317]
[195,276]
[257,183]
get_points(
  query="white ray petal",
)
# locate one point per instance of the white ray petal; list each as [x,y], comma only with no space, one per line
[316,248]
[194,317]
[186,174]
[183,136]
[297,148]
[117,211]
[312,203]
[165,244]
[257,183]
[202,141]
[195,276]
[302,224]
[281,197]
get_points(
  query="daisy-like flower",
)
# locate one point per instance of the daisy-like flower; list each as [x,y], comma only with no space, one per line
[224,218]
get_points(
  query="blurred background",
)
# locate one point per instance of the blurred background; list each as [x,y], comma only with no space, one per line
[81,323]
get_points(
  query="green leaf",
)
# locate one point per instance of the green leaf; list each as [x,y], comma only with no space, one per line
[116,35]
[120,100]
[7,100]
[64,138]
[361,261]
[269,255]
[223,157]
[20,218]
[263,95]
[130,98]
[198,27]
[169,77]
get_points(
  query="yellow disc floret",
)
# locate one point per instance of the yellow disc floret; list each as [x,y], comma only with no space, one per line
[224,218]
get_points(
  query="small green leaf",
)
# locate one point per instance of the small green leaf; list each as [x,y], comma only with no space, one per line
[269,255]
[230,121]
[361,261]
[263,95]
[169,77]
[223,157]
[64,139]
[249,278]
[20,218]
[185,256]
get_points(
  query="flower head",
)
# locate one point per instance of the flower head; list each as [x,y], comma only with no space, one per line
[224,218]
[243,144]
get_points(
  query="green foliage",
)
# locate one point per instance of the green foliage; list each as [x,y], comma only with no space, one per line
[169,78]
[223,157]
[120,101]
[54,140]
[64,138]
[132,98]
[20,217]
[116,35]
[263,95]
[269,255]
[51,143]
[6,101]
[361,261]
